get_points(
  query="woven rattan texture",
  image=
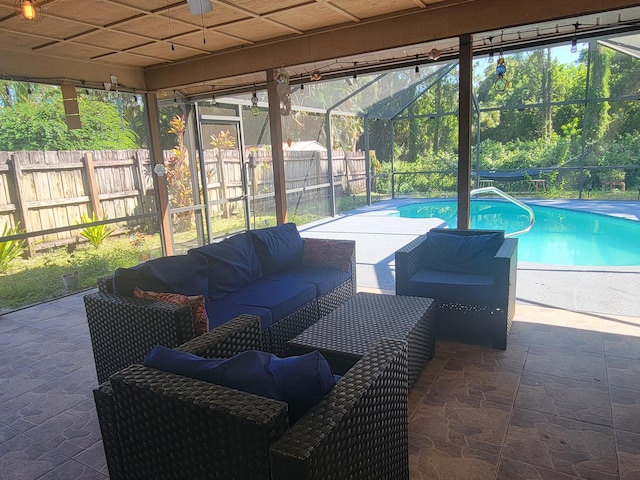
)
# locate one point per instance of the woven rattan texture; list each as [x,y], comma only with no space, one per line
[336,297]
[276,336]
[357,432]
[133,328]
[174,427]
[408,260]
[105,410]
[237,335]
[357,325]
[105,284]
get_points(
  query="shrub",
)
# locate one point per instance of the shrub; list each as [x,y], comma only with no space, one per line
[11,249]
[95,234]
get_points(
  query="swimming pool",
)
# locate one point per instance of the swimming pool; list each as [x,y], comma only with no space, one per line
[559,236]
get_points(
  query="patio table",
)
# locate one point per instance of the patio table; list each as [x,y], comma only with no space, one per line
[347,333]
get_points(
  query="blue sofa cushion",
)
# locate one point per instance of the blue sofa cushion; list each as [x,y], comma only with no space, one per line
[181,274]
[281,298]
[452,287]
[224,309]
[449,252]
[325,279]
[232,263]
[300,381]
[278,248]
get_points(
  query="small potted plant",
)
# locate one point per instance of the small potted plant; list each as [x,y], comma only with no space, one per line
[70,281]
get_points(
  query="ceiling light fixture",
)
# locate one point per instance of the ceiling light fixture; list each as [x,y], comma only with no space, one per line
[198,7]
[417,69]
[28,10]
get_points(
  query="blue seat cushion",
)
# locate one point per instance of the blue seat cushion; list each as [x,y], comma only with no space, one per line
[232,263]
[452,252]
[279,248]
[300,381]
[181,274]
[324,278]
[223,309]
[281,298]
[451,287]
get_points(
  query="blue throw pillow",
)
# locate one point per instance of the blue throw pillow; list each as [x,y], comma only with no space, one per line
[450,252]
[300,381]
[279,248]
[176,274]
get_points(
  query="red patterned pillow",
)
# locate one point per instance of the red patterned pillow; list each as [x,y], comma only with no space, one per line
[328,253]
[196,303]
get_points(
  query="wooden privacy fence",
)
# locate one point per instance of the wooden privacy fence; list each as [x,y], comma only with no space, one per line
[51,190]
[45,191]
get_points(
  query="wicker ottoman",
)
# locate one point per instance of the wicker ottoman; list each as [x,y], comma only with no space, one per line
[347,333]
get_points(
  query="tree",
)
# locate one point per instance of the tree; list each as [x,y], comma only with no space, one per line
[36,121]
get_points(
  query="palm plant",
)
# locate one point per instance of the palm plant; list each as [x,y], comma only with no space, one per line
[11,249]
[95,234]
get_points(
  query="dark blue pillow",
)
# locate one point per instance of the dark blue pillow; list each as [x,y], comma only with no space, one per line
[279,248]
[450,252]
[300,381]
[232,263]
[176,274]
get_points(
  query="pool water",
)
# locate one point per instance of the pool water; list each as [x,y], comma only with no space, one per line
[559,236]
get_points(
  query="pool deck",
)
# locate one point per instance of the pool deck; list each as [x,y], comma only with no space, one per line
[378,234]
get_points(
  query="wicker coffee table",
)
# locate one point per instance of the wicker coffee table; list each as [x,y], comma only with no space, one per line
[348,332]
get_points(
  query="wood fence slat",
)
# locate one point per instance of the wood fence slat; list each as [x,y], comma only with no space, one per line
[14,168]
[93,185]
[116,195]
[60,202]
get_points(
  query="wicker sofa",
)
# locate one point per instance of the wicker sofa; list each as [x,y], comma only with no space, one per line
[470,274]
[286,281]
[162,425]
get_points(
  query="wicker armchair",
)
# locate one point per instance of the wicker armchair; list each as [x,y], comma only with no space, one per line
[164,426]
[476,308]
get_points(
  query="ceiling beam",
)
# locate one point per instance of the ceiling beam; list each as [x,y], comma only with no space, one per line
[54,70]
[435,22]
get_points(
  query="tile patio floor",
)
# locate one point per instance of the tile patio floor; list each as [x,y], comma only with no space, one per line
[561,403]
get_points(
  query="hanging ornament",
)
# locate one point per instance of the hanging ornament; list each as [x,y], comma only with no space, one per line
[315,76]
[282,77]
[284,91]
[501,83]
[434,54]
[255,110]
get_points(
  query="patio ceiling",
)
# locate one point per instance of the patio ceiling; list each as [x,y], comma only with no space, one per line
[161,46]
